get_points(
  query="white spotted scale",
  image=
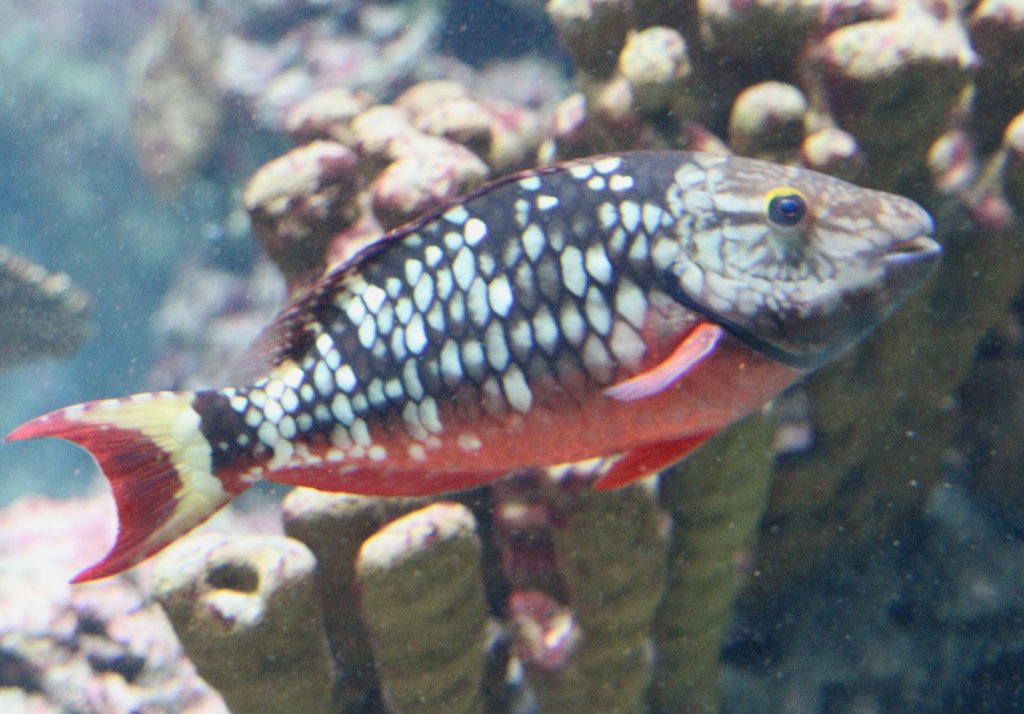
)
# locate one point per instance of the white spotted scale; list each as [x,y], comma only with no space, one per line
[517,285]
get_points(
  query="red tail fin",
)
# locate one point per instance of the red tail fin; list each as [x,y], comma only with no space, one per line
[158,463]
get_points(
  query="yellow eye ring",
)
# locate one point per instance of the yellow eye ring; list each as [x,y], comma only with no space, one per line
[785,206]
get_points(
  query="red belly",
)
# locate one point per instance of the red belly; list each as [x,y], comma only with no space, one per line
[476,447]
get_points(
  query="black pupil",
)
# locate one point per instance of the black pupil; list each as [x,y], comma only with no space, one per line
[787,210]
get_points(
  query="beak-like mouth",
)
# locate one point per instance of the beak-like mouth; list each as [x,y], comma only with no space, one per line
[917,256]
[920,246]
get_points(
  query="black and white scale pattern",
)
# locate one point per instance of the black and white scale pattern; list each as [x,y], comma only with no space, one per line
[548,274]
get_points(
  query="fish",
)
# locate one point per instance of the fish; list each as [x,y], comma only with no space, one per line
[622,307]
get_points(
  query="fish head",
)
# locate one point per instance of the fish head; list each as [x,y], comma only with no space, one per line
[796,263]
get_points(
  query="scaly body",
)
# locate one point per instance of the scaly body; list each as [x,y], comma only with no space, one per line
[626,306]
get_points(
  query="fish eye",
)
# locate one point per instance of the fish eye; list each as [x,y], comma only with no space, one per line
[786,206]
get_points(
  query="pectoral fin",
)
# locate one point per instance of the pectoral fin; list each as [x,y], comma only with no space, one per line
[699,343]
[649,459]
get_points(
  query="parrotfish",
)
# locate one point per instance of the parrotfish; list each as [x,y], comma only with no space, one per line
[623,307]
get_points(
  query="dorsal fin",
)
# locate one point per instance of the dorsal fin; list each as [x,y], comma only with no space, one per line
[288,331]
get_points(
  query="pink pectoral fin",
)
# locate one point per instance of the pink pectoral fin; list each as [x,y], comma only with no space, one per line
[646,460]
[698,344]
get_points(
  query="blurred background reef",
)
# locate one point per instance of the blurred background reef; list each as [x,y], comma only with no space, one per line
[189,164]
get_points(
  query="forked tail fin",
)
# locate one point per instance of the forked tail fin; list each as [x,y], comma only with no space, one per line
[158,462]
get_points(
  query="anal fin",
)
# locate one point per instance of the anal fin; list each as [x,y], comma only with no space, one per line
[649,459]
[698,344]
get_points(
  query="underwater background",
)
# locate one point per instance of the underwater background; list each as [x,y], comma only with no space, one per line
[170,170]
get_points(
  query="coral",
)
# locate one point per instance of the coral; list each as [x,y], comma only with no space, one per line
[996,29]
[432,173]
[716,500]
[206,70]
[771,27]
[871,92]
[178,105]
[586,643]
[327,115]
[435,142]
[418,583]
[1011,164]
[40,313]
[767,121]
[990,394]
[593,30]
[833,151]
[402,589]
[300,201]
[865,91]
[334,527]
[655,63]
[246,611]
[893,82]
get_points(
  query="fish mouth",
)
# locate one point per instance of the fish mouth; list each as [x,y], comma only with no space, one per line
[909,261]
[917,248]
[918,253]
